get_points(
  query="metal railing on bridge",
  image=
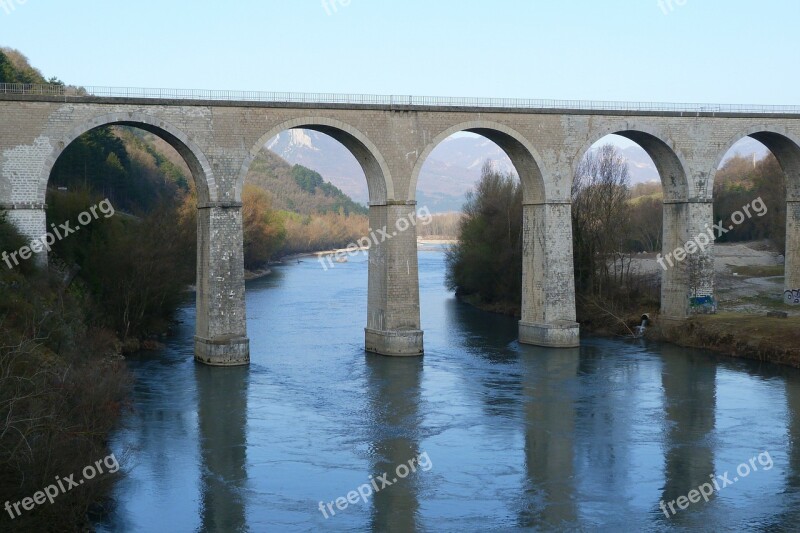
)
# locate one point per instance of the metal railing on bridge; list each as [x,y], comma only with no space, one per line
[67,91]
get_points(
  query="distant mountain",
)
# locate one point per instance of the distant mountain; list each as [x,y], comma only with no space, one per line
[297,188]
[451,170]
[325,155]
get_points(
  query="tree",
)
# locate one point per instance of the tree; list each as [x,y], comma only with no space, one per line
[137,269]
[263,229]
[646,221]
[600,218]
[485,266]
[739,182]
[15,68]
[486,263]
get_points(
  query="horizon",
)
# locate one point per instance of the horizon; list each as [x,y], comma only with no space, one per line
[664,51]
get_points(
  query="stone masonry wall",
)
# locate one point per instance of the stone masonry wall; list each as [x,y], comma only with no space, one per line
[220,138]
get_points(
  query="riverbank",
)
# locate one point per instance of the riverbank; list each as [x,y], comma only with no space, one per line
[758,337]
[749,288]
[498,308]
[762,338]
[250,275]
[63,390]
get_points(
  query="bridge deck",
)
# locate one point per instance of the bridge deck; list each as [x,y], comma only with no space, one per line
[223,98]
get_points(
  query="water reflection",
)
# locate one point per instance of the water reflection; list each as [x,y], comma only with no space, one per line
[793,400]
[519,437]
[791,493]
[393,410]
[222,421]
[610,382]
[549,385]
[689,384]
[493,356]
[485,334]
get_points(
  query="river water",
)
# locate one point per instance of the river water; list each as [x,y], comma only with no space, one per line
[505,437]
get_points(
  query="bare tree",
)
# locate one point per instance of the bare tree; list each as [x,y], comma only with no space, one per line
[646,224]
[601,218]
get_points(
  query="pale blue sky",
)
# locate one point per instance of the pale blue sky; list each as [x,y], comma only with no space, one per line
[720,51]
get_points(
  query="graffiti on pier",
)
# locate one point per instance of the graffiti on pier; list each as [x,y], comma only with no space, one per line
[703,305]
[792,297]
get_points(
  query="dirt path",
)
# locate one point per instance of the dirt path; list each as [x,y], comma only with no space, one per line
[749,277]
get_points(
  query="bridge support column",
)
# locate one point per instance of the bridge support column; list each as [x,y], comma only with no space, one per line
[548,280]
[30,219]
[687,258]
[792,255]
[221,335]
[393,326]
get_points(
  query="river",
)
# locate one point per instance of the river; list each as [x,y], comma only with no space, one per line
[501,436]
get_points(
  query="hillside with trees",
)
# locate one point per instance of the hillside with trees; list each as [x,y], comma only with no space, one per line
[441,226]
[314,215]
[298,189]
[739,182]
[60,392]
[15,68]
[118,163]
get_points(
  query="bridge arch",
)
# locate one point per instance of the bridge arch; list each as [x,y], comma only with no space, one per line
[191,153]
[785,146]
[547,280]
[680,205]
[379,179]
[670,163]
[523,155]
[393,325]
[221,328]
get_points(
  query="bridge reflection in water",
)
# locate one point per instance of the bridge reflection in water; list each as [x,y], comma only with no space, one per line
[222,425]
[394,415]
[549,384]
[519,437]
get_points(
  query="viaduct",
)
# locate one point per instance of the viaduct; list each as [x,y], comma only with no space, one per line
[219,133]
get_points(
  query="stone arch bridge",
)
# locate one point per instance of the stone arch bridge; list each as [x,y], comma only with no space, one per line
[219,134]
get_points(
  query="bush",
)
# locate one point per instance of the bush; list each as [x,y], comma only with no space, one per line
[262,227]
[486,263]
[136,269]
[59,394]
